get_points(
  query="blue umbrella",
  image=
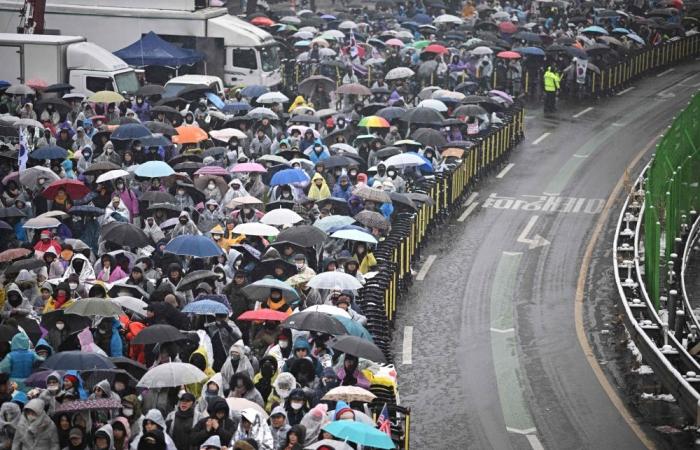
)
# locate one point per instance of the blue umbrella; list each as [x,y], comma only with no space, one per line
[595,29]
[236,107]
[328,17]
[529,51]
[336,222]
[427,167]
[254,90]
[354,235]
[154,169]
[636,38]
[621,30]
[49,152]
[156,140]
[4,84]
[130,131]
[359,433]
[355,328]
[289,176]
[422,19]
[86,210]
[194,245]
[206,308]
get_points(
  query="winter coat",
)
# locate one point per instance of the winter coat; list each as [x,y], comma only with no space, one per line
[259,430]
[19,363]
[179,426]
[226,426]
[279,435]
[156,417]
[41,434]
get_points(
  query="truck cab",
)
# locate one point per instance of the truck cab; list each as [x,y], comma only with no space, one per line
[175,85]
[92,68]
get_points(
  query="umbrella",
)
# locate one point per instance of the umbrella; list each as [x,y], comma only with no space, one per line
[303,236]
[353,89]
[254,90]
[391,112]
[157,197]
[329,222]
[264,315]
[156,334]
[130,131]
[595,29]
[77,360]
[106,97]
[93,404]
[373,219]
[408,159]
[72,321]
[374,122]
[448,18]
[371,194]
[309,85]
[260,289]
[530,51]
[20,89]
[30,177]
[280,217]
[349,394]
[154,169]
[262,113]
[354,235]
[126,234]
[74,188]
[28,123]
[356,346]
[24,264]
[103,166]
[272,97]
[329,309]
[289,176]
[136,369]
[14,253]
[38,379]
[7,332]
[226,134]
[245,200]
[256,229]
[131,303]
[437,105]
[189,135]
[240,404]
[49,152]
[172,374]
[248,168]
[162,128]
[314,321]
[359,433]
[469,111]
[112,175]
[330,443]
[334,281]
[481,51]
[426,116]
[193,245]
[212,170]
[508,55]
[192,279]
[41,223]
[92,307]
[206,308]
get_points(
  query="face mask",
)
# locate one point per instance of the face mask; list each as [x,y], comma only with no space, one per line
[128,412]
[300,266]
[73,286]
[180,192]
[235,357]
[31,417]
[120,185]
[211,185]
[183,221]
[52,389]
[60,326]
[297,405]
[212,394]
[15,302]
[284,343]
[246,210]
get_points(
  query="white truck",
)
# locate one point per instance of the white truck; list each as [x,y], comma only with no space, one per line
[238,52]
[63,59]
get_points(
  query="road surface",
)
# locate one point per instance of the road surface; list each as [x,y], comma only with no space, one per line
[486,343]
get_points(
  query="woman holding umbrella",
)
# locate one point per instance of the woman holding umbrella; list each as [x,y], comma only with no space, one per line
[61,201]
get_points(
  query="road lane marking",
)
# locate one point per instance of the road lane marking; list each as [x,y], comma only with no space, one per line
[407,355]
[577,115]
[426,267]
[517,431]
[534,442]
[688,79]
[547,202]
[467,211]
[623,92]
[665,72]
[541,138]
[507,330]
[537,240]
[580,298]
[529,117]
[471,198]
[505,170]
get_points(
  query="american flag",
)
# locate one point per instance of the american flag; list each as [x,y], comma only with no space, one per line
[383,421]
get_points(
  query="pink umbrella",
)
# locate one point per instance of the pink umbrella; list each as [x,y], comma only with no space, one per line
[10,177]
[248,167]
[395,42]
[211,170]
[501,94]
[37,83]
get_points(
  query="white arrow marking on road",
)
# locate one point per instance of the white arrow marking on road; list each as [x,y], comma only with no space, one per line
[471,198]
[537,240]
[426,267]
[666,94]
[407,356]
[518,431]
[507,330]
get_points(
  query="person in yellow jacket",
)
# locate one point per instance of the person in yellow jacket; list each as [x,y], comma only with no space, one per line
[366,257]
[319,188]
[199,359]
[551,86]
[299,101]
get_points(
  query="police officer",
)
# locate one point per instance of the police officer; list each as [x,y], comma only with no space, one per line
[551,86]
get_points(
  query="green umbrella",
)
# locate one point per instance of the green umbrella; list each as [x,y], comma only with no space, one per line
[421,44]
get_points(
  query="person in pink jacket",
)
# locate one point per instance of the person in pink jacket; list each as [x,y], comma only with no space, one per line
[110,272]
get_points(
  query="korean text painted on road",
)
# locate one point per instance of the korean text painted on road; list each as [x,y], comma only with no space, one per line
[545,203]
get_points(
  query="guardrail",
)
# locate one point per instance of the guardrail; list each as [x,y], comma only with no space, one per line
[690,241]
[663,349]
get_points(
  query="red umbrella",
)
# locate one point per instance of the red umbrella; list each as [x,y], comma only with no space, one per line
[262,21]
[507,27]
[74,188]
[508,55]
[264,314]
[37,84]
[435,48]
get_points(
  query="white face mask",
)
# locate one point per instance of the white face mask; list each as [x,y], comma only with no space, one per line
[297,405]
[300,266]
[73,286]
[284,344]
[128,412]
[52,389]
[180,192]
[211,185]
[60,326]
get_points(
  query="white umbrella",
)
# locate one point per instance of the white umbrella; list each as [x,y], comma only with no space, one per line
[303,129]
[347,25]
[53,214]
[131,303]
[40,223]
[272,97]
[344,148]
[74,96]
[404,160]
[261,112]
[227,133]
[302,162]
[448,18]
[112,175]
[30,176]
[398,73]
[281,216]
[28,123]
[329,309]
[328,52]
[256,229]
[291,20]
[437,105]
[303,35]
[171,374]
[335,34]
[334,280]
[20,89]
[354,235]
[482,50]
[444,93]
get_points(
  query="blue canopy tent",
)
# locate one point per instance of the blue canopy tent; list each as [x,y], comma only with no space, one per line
[152,50]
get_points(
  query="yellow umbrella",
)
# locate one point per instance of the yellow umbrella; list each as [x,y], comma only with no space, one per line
[106,97]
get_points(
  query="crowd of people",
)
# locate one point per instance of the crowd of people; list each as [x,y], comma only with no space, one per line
[187,273]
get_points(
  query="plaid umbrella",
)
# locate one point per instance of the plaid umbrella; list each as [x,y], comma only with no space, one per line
[373,219]
[371,194]
[89,405]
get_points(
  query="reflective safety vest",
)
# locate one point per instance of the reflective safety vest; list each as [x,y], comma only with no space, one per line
[551,81]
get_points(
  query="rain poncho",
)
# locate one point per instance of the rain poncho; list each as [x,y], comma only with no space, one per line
[20,362]
[38,434]
[85,273]
[187,228]
[156,417]
[259,430]
[232,366]
[318,193]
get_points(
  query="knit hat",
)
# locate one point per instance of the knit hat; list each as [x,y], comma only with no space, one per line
[344,412]
[75,432]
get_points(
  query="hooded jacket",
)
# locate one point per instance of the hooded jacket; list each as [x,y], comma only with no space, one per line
[106,429]
[156,417]
[86,273]
[188,228]
[226,426]
[318,193]
[19,363]
[279,434]
[125,422]
[229,369]
[24,309]
[40,434]
[339,191]
[259,430]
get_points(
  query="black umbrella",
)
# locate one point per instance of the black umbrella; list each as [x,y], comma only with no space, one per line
[268,267]
[372,108]
[338,205]
[194,92]
[56,102]
[214,152]
[187,166]
[25,264]
[337,161]
[421,115]
[156,334]
[420,198]
[527,37]
[286,204]
[315,321]
[73,322]
[157,197]
[136,369]
[357,346]
[59,87]
[99,167]
[171,102]
[192,279]
[398,198]
[469,110]
[77,360]
[196,195]
[150,89]
[126,234]
[308,86]
[7,332]
[304,118]
[428,136]
[387,152]
[303,235]
[120,288]
[160,127]
[86,210]
[391,112]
